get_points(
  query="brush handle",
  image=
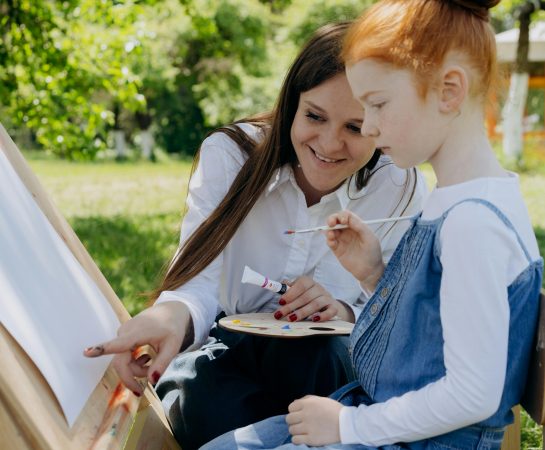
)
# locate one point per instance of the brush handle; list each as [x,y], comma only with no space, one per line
[340,227]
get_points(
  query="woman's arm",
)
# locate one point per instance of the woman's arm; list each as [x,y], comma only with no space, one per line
[219,162]
[185,315]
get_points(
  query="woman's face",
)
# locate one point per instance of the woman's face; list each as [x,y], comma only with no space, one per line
[326,136]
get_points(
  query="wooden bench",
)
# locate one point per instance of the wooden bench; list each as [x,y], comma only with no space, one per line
[533,400]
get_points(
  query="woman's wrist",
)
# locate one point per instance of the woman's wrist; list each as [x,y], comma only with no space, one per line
[345,312]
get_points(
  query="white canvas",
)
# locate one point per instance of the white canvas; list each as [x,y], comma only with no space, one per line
[48,303]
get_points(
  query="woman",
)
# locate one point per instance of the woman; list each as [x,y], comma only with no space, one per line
[253,180]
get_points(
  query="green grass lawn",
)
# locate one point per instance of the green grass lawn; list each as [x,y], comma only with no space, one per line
[128,214]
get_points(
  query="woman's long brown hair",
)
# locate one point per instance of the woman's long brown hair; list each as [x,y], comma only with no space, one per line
[318,61]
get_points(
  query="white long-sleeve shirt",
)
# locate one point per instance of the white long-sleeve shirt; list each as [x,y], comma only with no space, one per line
[480,257]
[260,241]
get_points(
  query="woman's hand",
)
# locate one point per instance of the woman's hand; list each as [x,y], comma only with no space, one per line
[306,298]
[314,421]
[163,327]
[357,248]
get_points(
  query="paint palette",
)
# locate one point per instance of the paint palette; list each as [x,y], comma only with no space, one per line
[264,324]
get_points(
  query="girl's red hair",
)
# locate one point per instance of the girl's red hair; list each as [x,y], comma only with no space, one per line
[418,34]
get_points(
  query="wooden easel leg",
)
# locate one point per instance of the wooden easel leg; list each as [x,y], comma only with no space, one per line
[149,432]
[511,439]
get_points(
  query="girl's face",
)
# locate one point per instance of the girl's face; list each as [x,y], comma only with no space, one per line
[404,125]
[326,136]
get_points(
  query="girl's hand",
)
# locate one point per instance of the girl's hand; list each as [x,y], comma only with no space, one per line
[314,421]
[357,248]
[163,327]
[306,298]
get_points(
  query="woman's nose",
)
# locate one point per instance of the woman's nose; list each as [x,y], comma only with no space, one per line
[331,140]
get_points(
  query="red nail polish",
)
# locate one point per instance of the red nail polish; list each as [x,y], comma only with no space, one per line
[292,317]
[316,319]
[277,315]
[282,301]
[136,393]
[155,377]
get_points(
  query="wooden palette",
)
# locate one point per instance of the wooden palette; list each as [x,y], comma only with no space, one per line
[264,324]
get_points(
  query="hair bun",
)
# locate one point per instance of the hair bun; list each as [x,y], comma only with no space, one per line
[478,7]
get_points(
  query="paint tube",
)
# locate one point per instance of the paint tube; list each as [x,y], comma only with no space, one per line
[252,277]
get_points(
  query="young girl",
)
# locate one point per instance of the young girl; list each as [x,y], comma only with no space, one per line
[253,181]
[441,347]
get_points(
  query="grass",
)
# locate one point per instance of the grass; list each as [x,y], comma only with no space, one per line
[128,215]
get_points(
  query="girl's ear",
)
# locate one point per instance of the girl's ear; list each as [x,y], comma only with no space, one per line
[453,88]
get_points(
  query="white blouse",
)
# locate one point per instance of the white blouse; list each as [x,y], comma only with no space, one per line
[260,241]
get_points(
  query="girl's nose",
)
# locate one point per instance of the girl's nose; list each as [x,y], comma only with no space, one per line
[369,130]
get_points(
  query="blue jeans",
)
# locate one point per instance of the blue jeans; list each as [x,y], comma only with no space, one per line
[273,433]
[268,434]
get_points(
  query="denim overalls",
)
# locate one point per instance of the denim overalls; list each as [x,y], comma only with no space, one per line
[397,345]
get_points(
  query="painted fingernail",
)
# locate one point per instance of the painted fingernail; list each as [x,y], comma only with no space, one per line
[277,315]
[97,350]
[292,317]
[155,377]
[282,301]
[316,319]
[138,394]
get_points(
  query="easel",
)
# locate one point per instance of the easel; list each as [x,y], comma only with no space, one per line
[30,416]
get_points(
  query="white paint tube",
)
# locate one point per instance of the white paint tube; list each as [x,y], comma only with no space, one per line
[252,277]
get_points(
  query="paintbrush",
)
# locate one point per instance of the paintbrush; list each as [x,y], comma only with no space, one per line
[340,227]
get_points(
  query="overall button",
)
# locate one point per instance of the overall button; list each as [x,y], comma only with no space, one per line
[374,309]
[384,292]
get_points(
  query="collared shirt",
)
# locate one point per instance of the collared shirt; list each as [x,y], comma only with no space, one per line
[261,244]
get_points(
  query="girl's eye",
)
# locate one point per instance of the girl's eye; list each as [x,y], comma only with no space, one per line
[378,105]
[314,117]
[354,128]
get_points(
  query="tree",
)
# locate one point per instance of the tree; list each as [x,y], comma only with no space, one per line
[59,63]
[518,88]
[218,52]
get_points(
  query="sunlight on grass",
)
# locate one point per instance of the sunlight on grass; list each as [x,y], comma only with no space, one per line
[108,189]
[126,214]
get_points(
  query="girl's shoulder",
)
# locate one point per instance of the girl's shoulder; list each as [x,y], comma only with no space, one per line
[484,208]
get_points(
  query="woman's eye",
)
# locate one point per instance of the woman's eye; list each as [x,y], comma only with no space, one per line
[378,105]
[354,128]
[313,116]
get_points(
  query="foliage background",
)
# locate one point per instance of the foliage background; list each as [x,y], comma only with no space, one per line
[73,71]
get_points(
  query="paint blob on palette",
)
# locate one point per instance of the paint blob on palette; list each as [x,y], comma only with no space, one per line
[264,324]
